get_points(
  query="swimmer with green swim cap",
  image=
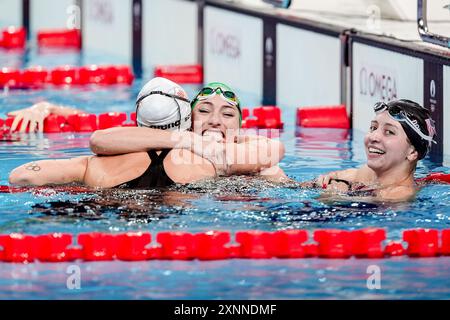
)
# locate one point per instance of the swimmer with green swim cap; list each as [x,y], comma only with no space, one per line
[216,113]
[161,151]
[221,89]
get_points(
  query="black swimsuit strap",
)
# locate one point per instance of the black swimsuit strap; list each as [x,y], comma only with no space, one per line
[348,183]
[154,176]
[157,158]
[359,190]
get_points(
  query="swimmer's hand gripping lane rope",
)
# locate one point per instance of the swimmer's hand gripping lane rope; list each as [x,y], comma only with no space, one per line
[215,245]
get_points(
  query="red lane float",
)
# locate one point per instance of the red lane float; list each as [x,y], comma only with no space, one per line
[439,177]
[250,123]
[245,113]
[82,122]
[214,245]
[422,242]
[54,248]
[323,117]
[180,73]
[61,38]
[111,119]
[265,117]
[9,121]
[13,38]
[333,244]
[54,123]
[38,77]
[445,244]
[132,246]
[97,246]
[10,77]
[122,74]
[64,75]
[366,243]
[176,245]
[269,117]
[394,249]
[93,74]
[254,244]
[34,77]
[289,244]
[17,248]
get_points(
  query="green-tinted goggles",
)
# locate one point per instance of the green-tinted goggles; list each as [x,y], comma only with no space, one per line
[228,96]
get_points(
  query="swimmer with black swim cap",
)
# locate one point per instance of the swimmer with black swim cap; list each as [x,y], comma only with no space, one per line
[401,134]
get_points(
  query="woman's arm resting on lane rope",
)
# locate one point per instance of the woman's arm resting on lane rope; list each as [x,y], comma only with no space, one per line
[47,172]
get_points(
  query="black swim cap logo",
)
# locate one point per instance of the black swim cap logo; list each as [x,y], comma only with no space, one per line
[167,126]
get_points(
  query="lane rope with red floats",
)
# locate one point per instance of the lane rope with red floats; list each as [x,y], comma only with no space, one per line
[215,245]
[16,38]
[38,77]
[266,117]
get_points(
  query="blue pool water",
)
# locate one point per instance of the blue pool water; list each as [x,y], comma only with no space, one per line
[229,204]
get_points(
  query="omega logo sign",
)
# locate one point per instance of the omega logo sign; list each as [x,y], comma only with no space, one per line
[224,44]
[432,89]
[381,85]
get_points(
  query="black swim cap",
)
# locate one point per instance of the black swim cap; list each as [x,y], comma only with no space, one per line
[421,116]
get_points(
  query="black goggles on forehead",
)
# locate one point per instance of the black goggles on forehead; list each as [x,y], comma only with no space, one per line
[400,115]
[163,94]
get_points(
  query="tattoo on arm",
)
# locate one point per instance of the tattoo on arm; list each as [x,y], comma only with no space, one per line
[33,166]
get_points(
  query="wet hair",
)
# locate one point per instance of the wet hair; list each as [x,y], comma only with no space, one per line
[423,117]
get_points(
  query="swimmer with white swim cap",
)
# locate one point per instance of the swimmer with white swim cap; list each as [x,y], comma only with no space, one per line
[216,116]
[163,104]
[169,158]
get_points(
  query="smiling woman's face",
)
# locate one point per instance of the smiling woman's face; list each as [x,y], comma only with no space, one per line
[216,117]
[387,145]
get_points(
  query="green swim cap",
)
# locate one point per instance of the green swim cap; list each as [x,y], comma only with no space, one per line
[226,92]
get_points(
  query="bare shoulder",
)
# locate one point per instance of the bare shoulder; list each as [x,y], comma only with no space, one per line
[109,171]
[364,174]
[398,193]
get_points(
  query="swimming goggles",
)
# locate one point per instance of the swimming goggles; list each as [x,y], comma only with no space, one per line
[163,94]
[228,96]
[398,114]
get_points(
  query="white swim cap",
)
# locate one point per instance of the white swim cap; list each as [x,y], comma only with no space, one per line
[163,104]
